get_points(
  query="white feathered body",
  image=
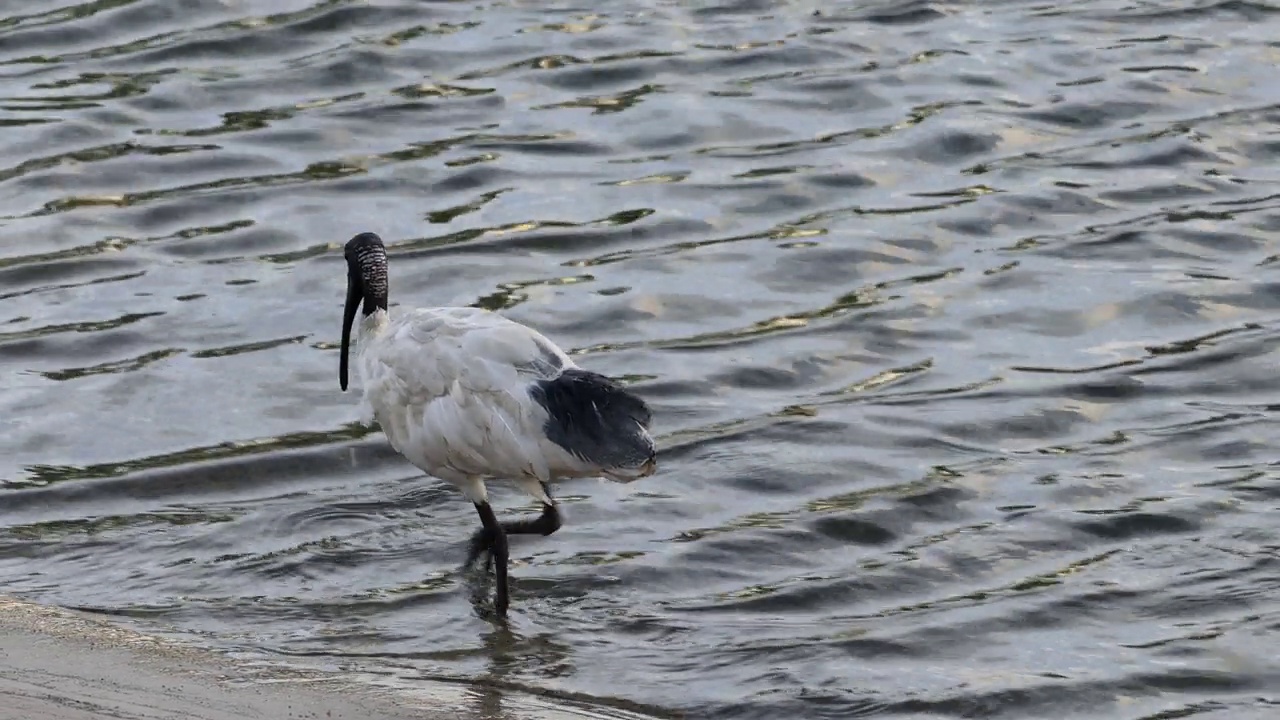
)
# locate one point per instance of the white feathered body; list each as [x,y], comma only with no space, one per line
[450,388]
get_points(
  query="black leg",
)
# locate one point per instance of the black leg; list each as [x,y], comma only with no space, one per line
[545,524]
[497,541]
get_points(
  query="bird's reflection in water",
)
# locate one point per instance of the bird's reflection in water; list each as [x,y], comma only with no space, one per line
[500,646]
[512,656]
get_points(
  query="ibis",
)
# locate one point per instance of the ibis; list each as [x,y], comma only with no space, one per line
[467,395]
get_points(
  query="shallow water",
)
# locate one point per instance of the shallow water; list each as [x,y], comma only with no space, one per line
[957,320]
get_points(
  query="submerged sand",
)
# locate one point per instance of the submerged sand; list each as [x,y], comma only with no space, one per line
[60,665]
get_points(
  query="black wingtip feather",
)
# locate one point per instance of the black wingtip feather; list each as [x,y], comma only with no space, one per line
[595,418]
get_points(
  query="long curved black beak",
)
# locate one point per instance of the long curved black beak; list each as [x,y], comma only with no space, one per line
[355,293]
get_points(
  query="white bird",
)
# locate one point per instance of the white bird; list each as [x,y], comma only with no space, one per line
[467,395]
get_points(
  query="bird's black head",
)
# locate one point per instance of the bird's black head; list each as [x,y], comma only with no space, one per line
[367,282]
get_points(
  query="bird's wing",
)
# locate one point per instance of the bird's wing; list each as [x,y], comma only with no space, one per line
[503,341]
[454,385]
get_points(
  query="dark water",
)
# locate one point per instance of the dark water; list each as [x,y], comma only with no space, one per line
[958,320]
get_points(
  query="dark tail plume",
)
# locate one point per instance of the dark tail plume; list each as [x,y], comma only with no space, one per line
[596,419]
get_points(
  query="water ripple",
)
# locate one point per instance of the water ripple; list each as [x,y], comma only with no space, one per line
[957,322]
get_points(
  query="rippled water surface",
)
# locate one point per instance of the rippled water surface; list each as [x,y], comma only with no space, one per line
[958,320]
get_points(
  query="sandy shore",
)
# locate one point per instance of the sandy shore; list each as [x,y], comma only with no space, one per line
[59,665]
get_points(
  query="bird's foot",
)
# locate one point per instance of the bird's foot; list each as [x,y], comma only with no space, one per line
[482,539]
[494,547]
[481,543]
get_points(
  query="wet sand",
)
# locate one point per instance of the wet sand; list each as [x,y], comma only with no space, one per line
[58,665]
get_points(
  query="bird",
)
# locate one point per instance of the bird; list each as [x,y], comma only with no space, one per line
[467,395]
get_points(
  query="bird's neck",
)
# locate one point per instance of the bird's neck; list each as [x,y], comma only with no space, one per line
[371,326]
